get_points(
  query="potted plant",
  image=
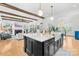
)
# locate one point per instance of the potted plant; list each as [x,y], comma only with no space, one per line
[66,29]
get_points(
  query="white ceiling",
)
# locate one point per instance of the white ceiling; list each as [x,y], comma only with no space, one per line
[58,9]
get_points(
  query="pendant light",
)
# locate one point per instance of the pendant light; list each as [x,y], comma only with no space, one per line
[40,12]
[51,17]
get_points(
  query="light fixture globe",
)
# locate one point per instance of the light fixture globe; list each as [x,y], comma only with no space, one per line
[51,18]
[40,13]
[51,13]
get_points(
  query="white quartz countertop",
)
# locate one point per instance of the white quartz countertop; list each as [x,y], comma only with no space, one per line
[40,37]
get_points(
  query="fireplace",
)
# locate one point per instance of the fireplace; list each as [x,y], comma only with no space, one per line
[18,31]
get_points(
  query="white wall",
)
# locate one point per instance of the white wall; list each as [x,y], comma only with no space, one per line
[70,19]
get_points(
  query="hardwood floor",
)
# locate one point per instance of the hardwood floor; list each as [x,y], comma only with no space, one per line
[71,45]
[12,48]
[16,47]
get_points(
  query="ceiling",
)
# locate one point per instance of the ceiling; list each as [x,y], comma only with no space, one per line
[58,8]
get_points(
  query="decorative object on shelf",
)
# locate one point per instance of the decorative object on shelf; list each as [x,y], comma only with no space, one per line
[50,29]
[26,30]
[30,29]
[55,29]
[34,29]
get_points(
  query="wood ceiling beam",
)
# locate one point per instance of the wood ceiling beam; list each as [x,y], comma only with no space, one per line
[17,15]
[11,19]
[15,18]
[19,9]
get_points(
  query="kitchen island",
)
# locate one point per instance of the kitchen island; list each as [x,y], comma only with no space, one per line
[42,45]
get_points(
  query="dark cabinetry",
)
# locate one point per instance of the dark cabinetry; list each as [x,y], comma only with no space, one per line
[29,44]
[49,50]
[49,47]
[25,43]
[37,48]
[46,48]
[58,43]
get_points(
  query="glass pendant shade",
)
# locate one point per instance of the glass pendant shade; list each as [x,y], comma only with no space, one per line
[51,18]
[40,13]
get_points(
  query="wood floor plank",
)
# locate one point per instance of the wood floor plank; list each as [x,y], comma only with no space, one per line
[16,47]
[71,45]
[12,48]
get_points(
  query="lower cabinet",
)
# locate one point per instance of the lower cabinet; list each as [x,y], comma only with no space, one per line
[37,48]
[49,50]
[29,44]
[25,43]
[58,43]
[46,48]
[61,39]
[52,49]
